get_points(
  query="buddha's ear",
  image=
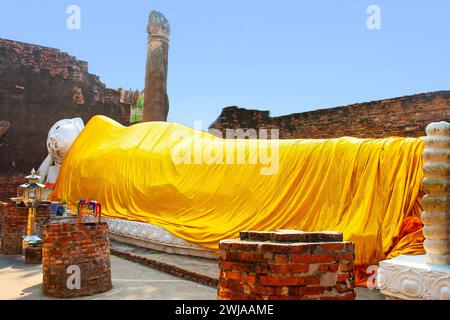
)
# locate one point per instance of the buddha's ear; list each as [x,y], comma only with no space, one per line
[78,123]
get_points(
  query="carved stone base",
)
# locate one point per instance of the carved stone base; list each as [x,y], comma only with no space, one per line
[411,278]
[152,237]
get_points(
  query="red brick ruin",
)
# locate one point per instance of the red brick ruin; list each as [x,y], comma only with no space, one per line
[71,247]
[26,115]
[404,117]
[14,227]
[287,265]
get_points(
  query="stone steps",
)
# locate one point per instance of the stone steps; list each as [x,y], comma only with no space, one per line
[200,270]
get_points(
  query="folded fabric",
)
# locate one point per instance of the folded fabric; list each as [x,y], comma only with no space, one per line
[204,189]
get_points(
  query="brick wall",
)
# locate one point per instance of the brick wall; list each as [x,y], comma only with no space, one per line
[83,245]
[406,116]
[42,58]
[38,87]
[9,185]
[287,265]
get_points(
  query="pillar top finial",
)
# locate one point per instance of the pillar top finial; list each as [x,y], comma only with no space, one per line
[158,25]
[438,129]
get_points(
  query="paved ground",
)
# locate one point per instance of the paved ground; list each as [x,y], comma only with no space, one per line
[131,281]
[206,267]
[202,270]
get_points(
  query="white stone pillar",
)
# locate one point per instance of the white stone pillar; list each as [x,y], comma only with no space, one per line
[427,276]
[436,186]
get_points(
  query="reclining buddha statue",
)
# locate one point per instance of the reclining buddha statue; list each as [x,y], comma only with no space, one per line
[201,188]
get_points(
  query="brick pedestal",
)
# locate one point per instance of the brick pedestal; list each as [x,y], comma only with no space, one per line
[286,265]
[71,247]
[43,217]
[14,227]
[33,255]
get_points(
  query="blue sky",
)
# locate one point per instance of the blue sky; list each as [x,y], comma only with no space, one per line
[285,56]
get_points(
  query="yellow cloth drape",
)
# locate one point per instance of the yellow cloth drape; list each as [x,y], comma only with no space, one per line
[365,188]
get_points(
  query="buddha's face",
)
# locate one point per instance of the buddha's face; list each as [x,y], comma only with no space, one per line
[61,137]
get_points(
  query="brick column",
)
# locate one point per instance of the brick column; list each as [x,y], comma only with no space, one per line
[43,217]
[72,246]
[15,226]
[33,255]
[436,186]
[286,265]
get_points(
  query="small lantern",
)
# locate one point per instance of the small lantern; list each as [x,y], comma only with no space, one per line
[33,241]
[31,193]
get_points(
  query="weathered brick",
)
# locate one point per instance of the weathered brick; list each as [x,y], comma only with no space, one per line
[284,247]
[343,277]
[288,281]
[280,258]
[405,117]
[346,267]
[255,235]
[238,245]
[285,270]
[243,256]
[89,250]
[289,268]
[262,290]
[333,247]
[15,221]
[330,267]
[233,275]
[313,258]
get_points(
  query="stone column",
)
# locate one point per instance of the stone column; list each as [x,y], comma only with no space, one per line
[426,277]
[156,101]
[436,186]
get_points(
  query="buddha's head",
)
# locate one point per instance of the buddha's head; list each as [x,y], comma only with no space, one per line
[61,137]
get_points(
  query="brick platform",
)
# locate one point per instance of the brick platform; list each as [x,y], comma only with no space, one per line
[14,227]
[286,265]
[75,244]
